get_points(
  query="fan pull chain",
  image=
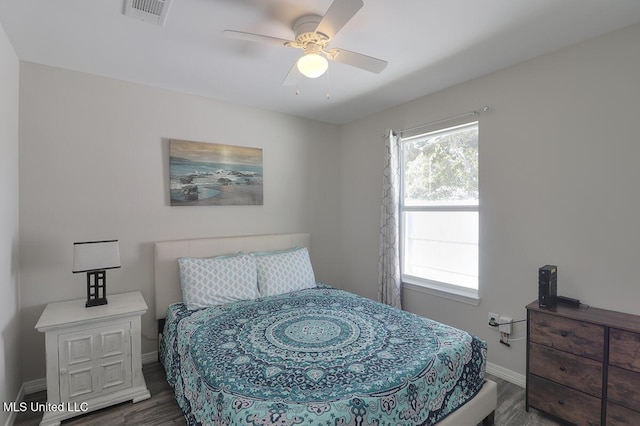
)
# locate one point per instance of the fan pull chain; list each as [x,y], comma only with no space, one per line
[327,81]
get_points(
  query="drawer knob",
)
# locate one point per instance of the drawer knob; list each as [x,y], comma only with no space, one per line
[561,402]
[564,333]
[562,368]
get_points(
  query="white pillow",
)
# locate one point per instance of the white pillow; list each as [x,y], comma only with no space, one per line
[284,271]
[218,280]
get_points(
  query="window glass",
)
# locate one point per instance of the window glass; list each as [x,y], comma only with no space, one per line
[442,246]
[439,206]
[441,168]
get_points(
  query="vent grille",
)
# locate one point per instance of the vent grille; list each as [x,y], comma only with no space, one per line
[152,11]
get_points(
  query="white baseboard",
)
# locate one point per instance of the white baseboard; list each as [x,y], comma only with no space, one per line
[149,357]
[12,415]
[34,386]
[508,375]
[11,419]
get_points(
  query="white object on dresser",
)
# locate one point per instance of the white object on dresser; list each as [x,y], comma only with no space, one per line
[93,355]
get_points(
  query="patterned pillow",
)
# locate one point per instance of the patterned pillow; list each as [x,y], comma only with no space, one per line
[284,271]
[218,280]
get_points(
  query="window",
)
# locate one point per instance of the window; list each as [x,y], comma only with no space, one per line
[439,211]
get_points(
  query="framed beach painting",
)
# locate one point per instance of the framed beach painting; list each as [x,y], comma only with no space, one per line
[209,174]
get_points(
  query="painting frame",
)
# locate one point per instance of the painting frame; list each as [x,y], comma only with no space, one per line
[212,174]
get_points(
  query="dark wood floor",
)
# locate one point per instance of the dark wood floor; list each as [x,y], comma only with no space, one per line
[162,410]
[511,412]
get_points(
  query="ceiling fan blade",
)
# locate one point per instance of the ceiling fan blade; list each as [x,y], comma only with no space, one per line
[239,35]
[293,76]
[339,13]
[358,60]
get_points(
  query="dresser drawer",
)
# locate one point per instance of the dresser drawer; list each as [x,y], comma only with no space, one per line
[621,416]
[578,337]
[577,372]
[563,402]
[624,387]
[624,349]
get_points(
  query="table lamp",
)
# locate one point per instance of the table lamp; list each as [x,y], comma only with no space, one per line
[94,258]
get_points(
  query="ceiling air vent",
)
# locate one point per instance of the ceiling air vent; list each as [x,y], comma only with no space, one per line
[152,11]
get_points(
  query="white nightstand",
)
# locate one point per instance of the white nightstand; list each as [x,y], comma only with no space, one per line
[93,355]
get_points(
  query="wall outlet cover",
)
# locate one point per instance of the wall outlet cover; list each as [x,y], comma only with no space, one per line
[492,319]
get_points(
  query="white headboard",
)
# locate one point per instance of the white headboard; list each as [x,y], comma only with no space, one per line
[166,254]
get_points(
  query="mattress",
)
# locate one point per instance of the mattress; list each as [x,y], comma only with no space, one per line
[317,357]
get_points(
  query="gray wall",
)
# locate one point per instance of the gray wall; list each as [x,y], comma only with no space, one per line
[559,180]
[10,366]
[94,165]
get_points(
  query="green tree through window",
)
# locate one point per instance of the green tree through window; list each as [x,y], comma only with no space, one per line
[441,168]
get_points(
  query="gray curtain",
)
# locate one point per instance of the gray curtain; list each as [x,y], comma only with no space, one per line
[389,280]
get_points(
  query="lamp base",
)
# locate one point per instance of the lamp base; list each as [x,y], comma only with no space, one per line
[96,288]
[95,302]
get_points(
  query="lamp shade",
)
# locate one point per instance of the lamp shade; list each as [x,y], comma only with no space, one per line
[312,65]
[95,256]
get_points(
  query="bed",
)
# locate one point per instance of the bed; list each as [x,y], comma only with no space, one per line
[317,356]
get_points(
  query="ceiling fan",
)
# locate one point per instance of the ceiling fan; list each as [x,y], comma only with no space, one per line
[313,34]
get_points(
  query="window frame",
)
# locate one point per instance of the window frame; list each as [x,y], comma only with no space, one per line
[424,285]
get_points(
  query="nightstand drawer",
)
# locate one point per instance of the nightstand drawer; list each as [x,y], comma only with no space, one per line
[624,387]
[621,416]
[580,373]
[577,337]
[563,402]
[624,349]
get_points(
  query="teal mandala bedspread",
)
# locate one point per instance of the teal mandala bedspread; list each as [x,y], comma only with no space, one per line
[317,357]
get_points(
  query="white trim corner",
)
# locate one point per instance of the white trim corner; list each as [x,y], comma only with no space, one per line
[13,414]
[149,357]
[506,374]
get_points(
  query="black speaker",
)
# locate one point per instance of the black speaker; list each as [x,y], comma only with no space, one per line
[548,286]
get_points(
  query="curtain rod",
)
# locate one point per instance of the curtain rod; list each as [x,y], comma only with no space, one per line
[464,114]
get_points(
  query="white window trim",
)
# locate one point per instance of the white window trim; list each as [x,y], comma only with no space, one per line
[469,296]
[435,288]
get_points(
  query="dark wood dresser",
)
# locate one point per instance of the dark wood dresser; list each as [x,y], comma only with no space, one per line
[583,364]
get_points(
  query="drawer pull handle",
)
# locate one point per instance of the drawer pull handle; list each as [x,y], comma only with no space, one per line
[562,368]
[561,402]
[564,333]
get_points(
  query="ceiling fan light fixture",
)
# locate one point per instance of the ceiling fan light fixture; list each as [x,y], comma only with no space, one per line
[312,65]
[313,34]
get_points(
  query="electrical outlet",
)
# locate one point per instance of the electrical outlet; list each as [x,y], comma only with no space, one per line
[492,319]
[505,324]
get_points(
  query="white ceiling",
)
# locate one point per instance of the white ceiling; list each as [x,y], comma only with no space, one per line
[429,44]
